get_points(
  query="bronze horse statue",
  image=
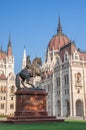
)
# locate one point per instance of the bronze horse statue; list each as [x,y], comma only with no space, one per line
[31,70]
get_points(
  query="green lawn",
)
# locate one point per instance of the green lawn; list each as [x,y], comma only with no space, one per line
[67,125]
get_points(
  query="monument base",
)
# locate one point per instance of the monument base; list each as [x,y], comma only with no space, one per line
[31,107]
[31,102]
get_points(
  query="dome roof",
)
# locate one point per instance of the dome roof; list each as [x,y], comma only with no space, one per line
[59,40]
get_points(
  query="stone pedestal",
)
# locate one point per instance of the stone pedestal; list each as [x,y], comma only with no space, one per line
[31,102]
[31,108]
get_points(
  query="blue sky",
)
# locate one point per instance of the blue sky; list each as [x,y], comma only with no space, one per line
[32,23]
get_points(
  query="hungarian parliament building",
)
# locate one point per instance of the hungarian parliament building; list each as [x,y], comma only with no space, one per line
[64,78]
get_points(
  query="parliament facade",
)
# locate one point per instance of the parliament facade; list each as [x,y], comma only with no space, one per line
[64,79]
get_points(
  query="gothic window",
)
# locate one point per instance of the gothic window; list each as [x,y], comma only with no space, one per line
[58,81]
[11,98]
[2,106]
[66,79]
[76,56]
[65,56]
[2,89]
[66,91]
[12,89]
[11,106]
[4,98]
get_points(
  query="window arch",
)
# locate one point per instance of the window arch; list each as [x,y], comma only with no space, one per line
[4,98]
[66,79]
[76,55]
[58,81]
[65,56]
[2,89]
[79,108]
[12,89]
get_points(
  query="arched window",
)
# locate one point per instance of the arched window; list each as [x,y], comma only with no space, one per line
[4,98]
[58,81]
[11,106]
[79,108]
[65,56]
[12,89]
[76,56]
[2,89]
[2,106]
[66,79]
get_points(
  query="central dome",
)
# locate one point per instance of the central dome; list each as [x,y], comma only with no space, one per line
[59,40]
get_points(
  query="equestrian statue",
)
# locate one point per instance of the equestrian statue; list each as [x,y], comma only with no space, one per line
[31,70]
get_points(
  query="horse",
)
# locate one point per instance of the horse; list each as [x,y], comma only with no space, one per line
[30,71]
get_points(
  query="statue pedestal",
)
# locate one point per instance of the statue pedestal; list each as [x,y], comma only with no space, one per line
[31,102]
[31,107]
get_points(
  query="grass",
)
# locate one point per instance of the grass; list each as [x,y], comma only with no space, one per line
[67,125]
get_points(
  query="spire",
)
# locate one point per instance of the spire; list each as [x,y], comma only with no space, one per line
[9,42]
[24,59]
[1,48]
[9,49]
[59,29]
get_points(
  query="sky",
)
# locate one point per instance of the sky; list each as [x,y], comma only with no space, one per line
[32,23]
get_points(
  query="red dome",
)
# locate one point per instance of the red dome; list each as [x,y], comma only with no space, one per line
[59,40]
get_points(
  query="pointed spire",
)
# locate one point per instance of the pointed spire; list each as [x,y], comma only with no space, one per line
[9,49]
[1,48]
[9,42]
[24,59]
[59,29]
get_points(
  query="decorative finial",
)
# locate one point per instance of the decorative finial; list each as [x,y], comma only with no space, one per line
[59,29]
